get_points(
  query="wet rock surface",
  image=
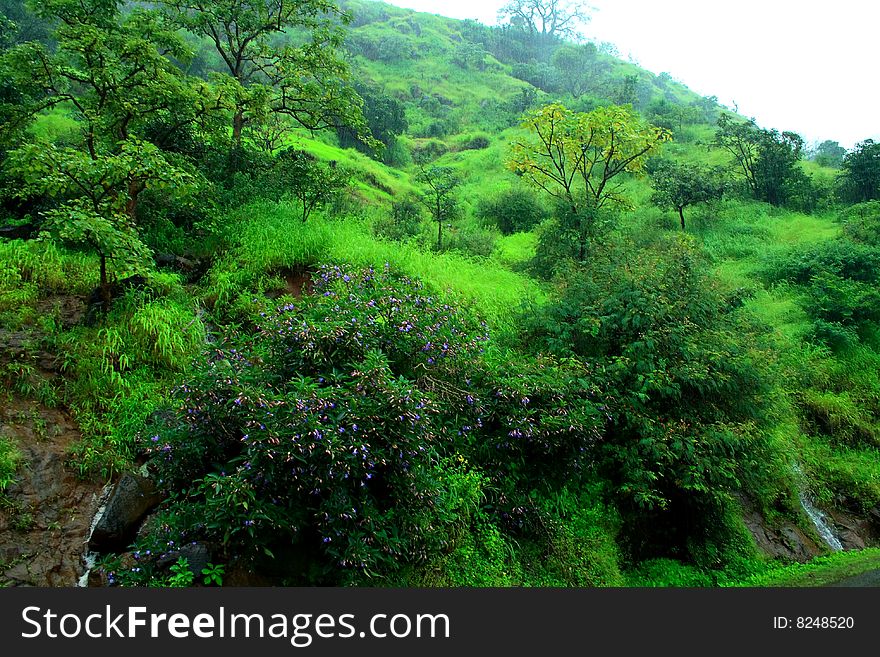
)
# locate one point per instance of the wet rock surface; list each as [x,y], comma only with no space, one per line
[46,515]
[131,499]
[787,541]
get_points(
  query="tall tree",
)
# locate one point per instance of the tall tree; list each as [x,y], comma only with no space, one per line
[578,157]
[114,72]
[281,56]
[546,19]
[767,159]
[861,172]
[440,198]
[828,154]
[582,69]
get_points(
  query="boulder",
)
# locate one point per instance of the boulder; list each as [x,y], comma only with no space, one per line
[131,499]
[197,555]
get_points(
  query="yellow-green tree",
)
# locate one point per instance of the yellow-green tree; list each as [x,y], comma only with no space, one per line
[578,158]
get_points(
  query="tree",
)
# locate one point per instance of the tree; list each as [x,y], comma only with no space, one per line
[582,70]
[678,186]
[98,199]
[546,20]
[115,73]
[267,71]
[861,172]
[767,158]
[513,210]
[440,198]
[385,117]
[578,157]
[312,183]
[828,154]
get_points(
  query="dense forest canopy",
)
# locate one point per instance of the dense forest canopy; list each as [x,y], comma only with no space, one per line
[372,297]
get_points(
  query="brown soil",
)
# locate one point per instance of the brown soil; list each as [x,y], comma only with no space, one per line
[297,282]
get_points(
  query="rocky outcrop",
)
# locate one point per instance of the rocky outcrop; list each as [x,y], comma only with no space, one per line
[786,541]
[131,499]
[46,514]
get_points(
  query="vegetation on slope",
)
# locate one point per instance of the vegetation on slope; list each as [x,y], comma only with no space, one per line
[429,311]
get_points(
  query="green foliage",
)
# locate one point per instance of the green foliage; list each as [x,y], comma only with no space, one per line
[404,221]
[860,176]
[440,199]
[575,156]
[862,223]
[385,118]
[265,76]
[683,381]
[344,464]
[10,458]
[846,471]
[181,575]
[581,68]
[514,210]
[213,574]
[828,154]
[678,186]
[840,417]
[767,159]
[99,195]
[298,174]
[842,258]
[841,279]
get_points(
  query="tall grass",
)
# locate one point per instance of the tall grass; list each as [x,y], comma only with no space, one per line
[273,238]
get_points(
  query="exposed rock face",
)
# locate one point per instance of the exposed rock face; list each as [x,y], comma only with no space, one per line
[131,499]
[787,541]
[44,524]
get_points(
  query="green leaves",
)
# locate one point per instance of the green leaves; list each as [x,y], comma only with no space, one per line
[576,157]
[678,186]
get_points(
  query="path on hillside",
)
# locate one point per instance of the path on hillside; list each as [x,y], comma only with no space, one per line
[870,578]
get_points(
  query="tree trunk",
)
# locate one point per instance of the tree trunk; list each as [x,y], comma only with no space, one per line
[681,214]
[135,187]
[237,126]
[105,284]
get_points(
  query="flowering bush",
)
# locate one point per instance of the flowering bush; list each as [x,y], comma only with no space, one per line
[315,434]
[358,431]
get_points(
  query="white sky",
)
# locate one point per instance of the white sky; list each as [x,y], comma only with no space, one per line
[800,65]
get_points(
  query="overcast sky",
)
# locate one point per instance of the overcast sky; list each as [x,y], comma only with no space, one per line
[799,65]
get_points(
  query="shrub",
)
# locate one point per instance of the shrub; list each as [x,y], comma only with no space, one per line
[683,379]
[862,223]
[404,221]
[514,210]
[313,436]
[843,258]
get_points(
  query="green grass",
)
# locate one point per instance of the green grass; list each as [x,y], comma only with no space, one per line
[10,459]
[516,249]
[273,238]
[821,571]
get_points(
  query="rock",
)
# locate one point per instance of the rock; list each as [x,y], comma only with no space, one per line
[197,555]
[180,263]
[850,540]
[130,501]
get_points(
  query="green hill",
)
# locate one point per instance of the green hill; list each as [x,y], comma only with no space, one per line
[396,362]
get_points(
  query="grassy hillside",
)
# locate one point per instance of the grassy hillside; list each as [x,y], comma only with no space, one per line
[343,400]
